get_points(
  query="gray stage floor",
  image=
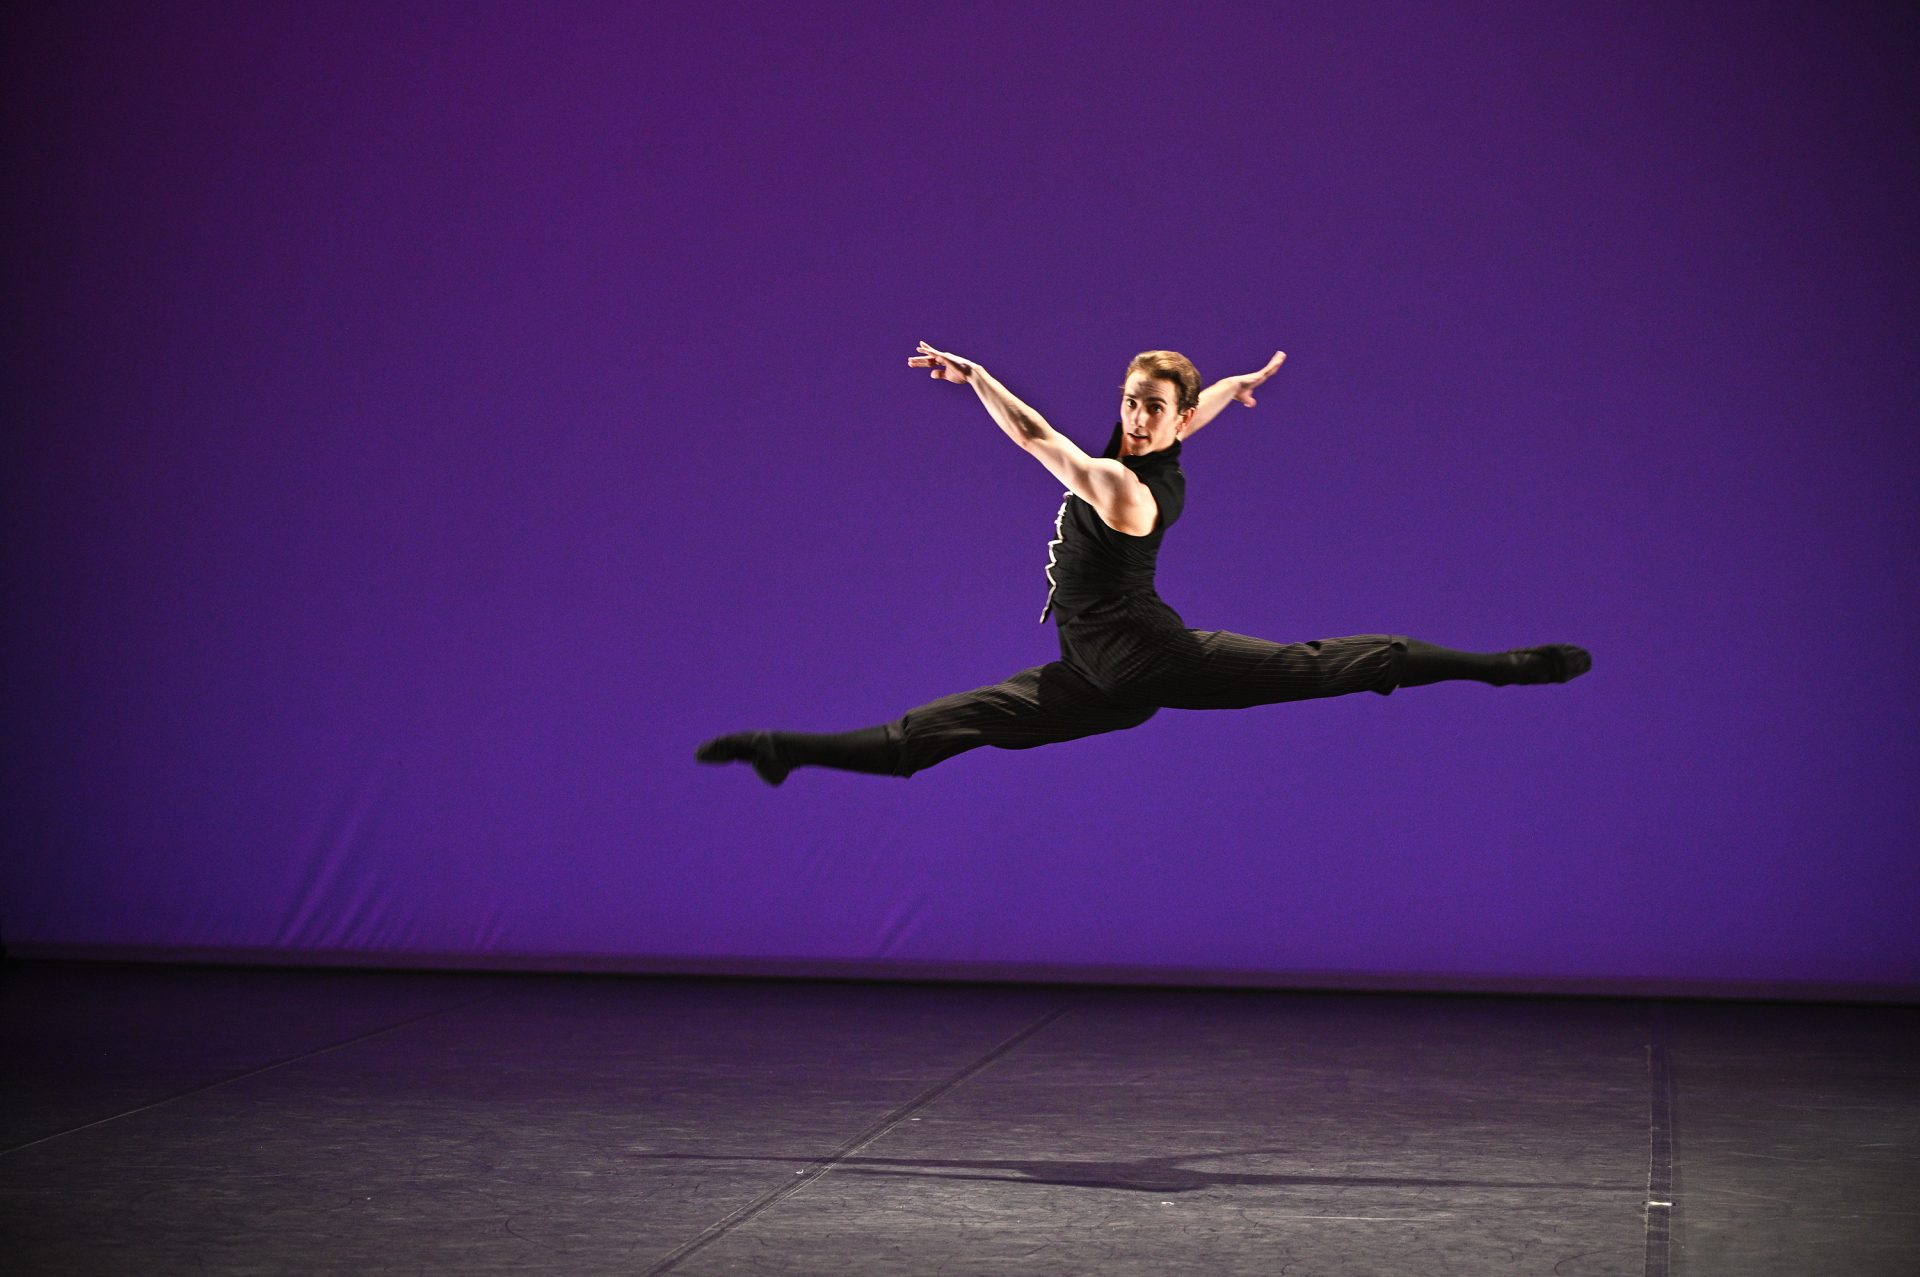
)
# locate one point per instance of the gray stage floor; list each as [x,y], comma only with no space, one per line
[195,1119]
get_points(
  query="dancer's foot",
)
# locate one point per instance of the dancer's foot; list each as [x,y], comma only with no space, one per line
[1552,663]
[753,747]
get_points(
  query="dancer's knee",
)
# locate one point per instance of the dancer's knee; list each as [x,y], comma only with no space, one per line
[1397,648]
[905,763]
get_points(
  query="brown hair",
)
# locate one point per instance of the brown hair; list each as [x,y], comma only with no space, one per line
[1170,365]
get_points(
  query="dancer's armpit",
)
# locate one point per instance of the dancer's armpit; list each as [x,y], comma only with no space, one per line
[1116,494]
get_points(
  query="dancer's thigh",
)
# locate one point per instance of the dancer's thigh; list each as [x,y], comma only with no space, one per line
[1037,706]
[1219,669]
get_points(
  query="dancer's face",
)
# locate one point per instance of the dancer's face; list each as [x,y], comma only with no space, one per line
[1148,421]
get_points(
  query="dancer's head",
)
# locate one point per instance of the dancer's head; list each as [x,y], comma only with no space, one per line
[1162,391]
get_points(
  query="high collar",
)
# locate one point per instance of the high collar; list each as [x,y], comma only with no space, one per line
[1169,453]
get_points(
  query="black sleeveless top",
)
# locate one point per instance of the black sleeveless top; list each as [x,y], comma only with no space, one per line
[1087,561]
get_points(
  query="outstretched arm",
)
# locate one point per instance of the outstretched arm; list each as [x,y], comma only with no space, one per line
[1120,499]
[1215,398]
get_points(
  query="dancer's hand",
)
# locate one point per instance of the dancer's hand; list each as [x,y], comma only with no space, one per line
[1243,389]
[945,367]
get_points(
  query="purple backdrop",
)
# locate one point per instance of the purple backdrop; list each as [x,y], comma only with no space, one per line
[430,421]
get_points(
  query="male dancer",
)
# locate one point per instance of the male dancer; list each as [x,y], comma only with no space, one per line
[1125,654]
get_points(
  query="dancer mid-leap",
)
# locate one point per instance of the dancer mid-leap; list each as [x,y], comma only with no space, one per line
[1125,654]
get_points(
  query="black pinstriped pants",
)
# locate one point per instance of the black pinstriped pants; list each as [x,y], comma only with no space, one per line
[1124,662]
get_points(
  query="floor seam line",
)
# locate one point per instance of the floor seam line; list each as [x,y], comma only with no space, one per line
[247,1073]
[820,1166]
[1659,1204]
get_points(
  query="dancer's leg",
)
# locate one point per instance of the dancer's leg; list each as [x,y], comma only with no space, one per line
[1554,663]
[1218,669]
[1038,706]
[774,754]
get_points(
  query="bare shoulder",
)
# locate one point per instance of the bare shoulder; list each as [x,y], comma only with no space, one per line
[1132,509]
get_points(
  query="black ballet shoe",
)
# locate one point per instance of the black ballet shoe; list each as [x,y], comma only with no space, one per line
[1551,663]
[757,748]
